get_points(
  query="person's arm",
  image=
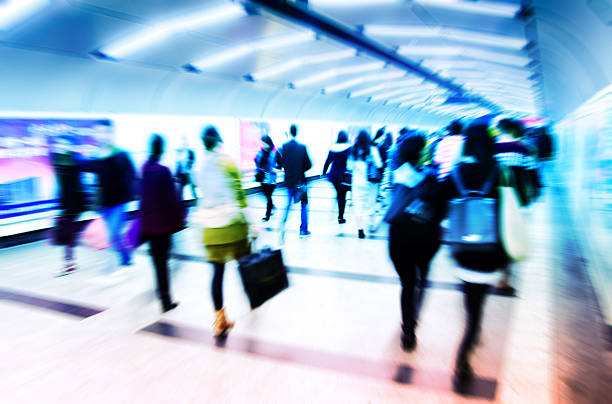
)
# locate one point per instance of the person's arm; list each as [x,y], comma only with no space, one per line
[279,159]
[327,162]
[233,174]
[307,162]
[376,157]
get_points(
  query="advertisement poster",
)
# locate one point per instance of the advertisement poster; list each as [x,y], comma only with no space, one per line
[250,143]
[27,178]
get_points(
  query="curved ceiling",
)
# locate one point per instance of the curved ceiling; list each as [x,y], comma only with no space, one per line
[425,62]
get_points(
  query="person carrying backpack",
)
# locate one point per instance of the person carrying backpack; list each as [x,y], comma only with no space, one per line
[414,216]
[473,234]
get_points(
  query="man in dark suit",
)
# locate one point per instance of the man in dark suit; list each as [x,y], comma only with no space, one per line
[293,158]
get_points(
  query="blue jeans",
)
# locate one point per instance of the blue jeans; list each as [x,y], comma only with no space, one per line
[115,221]
[304,201]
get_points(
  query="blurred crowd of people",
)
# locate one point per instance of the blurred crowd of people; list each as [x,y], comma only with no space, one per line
[409,178]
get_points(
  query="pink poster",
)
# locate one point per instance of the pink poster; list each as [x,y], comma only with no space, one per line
[250,142]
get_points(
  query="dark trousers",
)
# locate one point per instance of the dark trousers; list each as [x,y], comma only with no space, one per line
[267,190]
[217,285]
[474,295]
[341,191]
[160,251]
[411,262]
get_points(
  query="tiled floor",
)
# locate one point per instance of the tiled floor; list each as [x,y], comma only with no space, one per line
[333,336]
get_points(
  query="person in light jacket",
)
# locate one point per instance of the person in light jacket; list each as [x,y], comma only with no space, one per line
[222,215]
[337,158]
[364,158]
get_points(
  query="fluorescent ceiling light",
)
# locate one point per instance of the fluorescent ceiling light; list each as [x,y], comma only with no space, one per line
[301,61]
[404,98]
[386,86]
[452,34]
[251,47]
[477,7]
[13,11]
[485,66]
[407,91]
[165,29]
[364,79]
[469,52]
[350,3]
[331,73]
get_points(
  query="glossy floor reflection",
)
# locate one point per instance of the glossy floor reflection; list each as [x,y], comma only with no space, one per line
[333,336]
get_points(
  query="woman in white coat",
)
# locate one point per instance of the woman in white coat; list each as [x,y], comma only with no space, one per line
[364,161]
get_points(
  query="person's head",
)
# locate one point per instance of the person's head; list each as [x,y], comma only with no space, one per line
[479,144]
[267,143]
[380,133]
[362,145]
[455,127]
[411,149]
[293,130]
[157,146]
[104,132]
[342,137]
[190,158]
[512,127]
[211,138]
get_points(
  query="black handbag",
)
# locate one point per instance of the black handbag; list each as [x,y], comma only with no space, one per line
[263,275]
[260,175]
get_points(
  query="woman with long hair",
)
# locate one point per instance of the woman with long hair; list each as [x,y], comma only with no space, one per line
[364,162]
[222,215]
[478,269]
[337,158]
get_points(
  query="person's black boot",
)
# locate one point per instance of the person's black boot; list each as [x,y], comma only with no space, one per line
[361,233]
[409,341]
[169,306]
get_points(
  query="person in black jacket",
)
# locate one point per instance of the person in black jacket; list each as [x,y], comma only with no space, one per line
[414,232]
[265,172]
[116,178]
[293,158]
[161,215]
[337,158]
[72,201]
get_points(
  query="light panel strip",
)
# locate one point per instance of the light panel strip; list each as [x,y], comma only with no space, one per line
[490,8]
[163,30]
[340,71]
[453,34]
[364,79]
[13,11]
[252,47]
[302,61]
[386,86]
[469,52]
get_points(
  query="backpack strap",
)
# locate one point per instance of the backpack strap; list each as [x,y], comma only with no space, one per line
[458,182]
[486,188]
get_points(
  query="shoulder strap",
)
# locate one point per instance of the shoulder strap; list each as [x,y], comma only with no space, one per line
[486,188]
[458,182]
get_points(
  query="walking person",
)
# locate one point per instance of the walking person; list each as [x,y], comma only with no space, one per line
[72,201]
[414,232]
[183,175]
[116,178]
[293,158]
[161,215]
[478,267]
[265,172]
[223,217]
[337,158]
[364,162]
